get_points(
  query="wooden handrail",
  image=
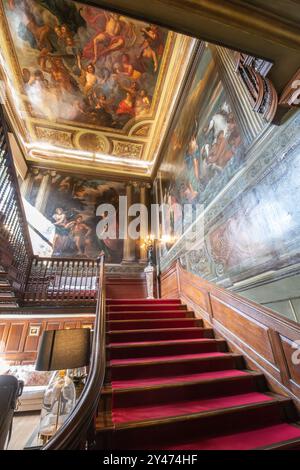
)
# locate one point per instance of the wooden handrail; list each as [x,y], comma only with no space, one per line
[73,433]
[268,341]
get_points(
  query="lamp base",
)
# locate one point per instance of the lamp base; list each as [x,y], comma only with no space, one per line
[59,400]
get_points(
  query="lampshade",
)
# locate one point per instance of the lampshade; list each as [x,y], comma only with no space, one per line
[64,349]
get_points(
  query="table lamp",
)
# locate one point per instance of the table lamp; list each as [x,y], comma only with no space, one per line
[60,350]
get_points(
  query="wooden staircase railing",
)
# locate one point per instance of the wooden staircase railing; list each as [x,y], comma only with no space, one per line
[15,246]
[62,281]
[269,342]
[78,430]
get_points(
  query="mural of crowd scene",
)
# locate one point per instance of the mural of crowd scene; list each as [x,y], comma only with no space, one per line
[260,231]
[83,64]
[205,148]
[71,204]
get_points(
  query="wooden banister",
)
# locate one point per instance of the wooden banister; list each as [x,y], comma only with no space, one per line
[76,429]
[15,245]
[61,281]
[266,339]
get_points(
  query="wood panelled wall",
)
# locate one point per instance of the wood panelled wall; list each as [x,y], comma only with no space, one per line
[125,287]
[19,346]
[266,339]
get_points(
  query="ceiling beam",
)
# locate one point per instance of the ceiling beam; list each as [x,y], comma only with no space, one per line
[236,24]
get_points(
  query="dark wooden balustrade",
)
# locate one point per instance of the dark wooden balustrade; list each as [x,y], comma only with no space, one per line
[78,430]
[15,245]
[267,340]
[62,281]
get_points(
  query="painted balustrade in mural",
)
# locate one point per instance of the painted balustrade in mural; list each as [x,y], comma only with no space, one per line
[63,280]
[15,246]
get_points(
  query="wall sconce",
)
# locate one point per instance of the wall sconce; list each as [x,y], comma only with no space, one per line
[149,245]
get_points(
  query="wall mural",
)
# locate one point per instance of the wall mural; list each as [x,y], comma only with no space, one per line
[261,230]
[69,204]
[84,64]
[253,228]
[205,148]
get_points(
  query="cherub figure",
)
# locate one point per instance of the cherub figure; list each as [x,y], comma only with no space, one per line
[88,77]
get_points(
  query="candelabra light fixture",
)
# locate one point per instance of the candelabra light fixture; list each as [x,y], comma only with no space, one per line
[149,245]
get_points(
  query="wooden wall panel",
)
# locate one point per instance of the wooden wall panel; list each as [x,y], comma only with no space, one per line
[3,335]
[51,325]
[68,325]
[254,334]
[18,347]
[15,335]
[192,290]
[126,288]
[264,337]
[169,284]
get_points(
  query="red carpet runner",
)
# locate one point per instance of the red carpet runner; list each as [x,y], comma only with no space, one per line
[172,385]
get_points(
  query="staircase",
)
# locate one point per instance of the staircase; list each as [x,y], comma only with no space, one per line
[170,384]
[7,296]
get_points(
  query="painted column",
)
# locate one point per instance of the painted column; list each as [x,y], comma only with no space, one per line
[42,196]
[144,225]
[251,123]
[26,185]
[129,244]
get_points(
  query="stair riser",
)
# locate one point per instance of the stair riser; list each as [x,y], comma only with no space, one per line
[161,350]
[200,391]
[173,369]
[148,315]
[127,337]
[152,324]
[145,308]
[6,297]
[5,286]
[143,301]
[163,435]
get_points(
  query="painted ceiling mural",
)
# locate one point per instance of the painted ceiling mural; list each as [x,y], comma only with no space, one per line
[79,67]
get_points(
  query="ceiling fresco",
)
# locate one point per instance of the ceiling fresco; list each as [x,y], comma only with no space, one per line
[86,87]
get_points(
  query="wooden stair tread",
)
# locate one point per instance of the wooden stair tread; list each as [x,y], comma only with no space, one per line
[192,328]
[148,312]
[275,399]
[178,359]
[165,343]
[107,390]
[148,320]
